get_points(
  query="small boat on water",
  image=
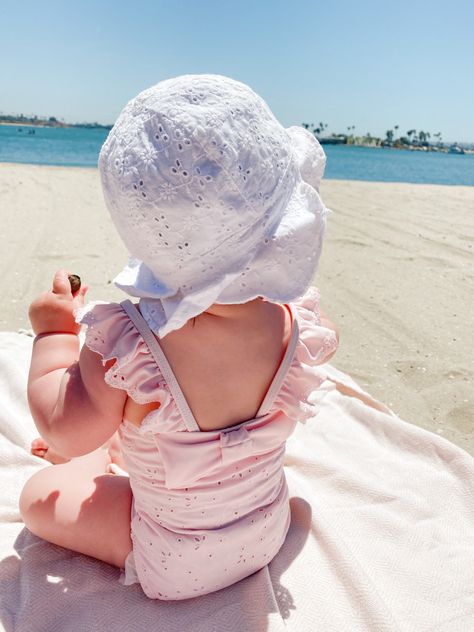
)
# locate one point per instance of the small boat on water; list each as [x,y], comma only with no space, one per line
[455,149]
[333,140]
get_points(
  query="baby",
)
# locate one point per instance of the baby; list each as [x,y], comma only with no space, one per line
[193,390]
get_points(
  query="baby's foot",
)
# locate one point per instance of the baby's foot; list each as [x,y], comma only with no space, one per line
[40,448]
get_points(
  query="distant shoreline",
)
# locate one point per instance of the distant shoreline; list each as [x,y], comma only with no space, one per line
[55,125]
[80,147]
[324,141]
[23,124]
[444,148]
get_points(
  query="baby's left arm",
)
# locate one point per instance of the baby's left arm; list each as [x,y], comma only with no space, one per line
[73,408]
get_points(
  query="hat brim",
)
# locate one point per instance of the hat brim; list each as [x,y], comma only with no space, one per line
[280,269]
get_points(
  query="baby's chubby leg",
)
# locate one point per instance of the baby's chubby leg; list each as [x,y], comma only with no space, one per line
[78,506]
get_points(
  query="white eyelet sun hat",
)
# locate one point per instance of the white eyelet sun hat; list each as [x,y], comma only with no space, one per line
[215,201]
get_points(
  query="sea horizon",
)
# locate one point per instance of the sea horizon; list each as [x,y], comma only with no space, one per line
[80,147]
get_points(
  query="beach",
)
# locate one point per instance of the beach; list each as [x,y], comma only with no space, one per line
[396,276]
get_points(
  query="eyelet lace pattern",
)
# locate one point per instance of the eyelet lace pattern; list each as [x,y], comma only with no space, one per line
[209,508]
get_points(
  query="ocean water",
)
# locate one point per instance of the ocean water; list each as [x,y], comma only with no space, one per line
[79,147]
[66,146]
[381,164]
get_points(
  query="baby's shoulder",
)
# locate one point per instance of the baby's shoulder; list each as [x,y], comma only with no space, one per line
[112,334]
[109,330]
[95,312]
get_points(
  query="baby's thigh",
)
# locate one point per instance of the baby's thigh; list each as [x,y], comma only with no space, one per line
[81,508]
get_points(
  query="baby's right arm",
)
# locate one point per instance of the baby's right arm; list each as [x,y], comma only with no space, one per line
[73,407]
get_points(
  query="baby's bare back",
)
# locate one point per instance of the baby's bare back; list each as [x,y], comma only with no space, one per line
[224,362]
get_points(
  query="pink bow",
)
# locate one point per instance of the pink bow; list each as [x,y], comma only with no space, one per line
[189,456]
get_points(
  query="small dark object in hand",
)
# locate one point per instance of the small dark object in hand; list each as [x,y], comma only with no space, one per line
[75,282]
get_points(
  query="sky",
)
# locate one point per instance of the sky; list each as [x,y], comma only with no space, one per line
[369,63]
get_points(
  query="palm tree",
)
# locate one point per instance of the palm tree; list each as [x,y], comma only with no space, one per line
[316,130]
[321,128]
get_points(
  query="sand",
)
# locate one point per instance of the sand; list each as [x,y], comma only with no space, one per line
[396,276]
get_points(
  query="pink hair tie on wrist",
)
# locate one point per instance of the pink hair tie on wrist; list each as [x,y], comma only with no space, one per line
[53,333]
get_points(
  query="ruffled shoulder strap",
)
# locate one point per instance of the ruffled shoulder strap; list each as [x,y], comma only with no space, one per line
[113,335]
[161,362]
[310,377]
[297,396]
[318,342]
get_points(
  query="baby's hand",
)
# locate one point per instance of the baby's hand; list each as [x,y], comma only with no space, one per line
[54,310]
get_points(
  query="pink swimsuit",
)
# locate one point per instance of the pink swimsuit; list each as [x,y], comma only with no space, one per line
[209,507]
